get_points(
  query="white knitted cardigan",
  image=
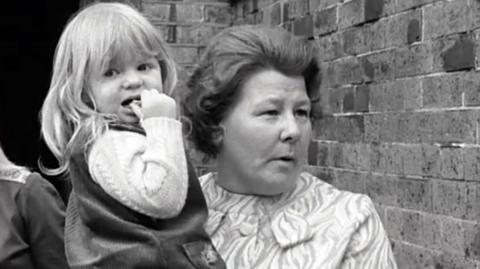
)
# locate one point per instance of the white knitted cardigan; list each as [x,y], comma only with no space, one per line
[145,173]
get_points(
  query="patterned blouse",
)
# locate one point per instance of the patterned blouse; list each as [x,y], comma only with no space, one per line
[313,226]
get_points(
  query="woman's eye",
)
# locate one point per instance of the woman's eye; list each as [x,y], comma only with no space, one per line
[110,73]
[303,113]
[271,112]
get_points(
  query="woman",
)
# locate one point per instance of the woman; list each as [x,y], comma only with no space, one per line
[250,102]
[31,220]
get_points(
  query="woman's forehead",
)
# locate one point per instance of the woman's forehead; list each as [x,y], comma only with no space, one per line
[273,87]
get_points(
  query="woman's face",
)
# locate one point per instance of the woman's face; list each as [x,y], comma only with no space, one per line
[266,135]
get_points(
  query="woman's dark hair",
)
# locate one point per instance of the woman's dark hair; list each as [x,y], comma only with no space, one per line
[228,61]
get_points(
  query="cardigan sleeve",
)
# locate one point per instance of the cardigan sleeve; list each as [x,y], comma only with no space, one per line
[147,173]
[369,246]
[44,214]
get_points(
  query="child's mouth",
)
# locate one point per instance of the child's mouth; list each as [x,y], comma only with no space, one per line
[132,100]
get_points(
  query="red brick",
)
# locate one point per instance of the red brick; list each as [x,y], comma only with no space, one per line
[472,163]
[355,41]
[168,32]
[431,160]
[456,53]
[408,4]
[413,60]
[379,66]
[393,159]
[411,256]
[321,4]
[412,93]
[330,47]
[362,98]
[373,127]
[373,9]
[351,13]
[221,14]
[303,26]
[275,14]
[350,181]
[363,156]
[348,101]
[335,98]
[312,153]
[415,194]
[348,71]
[377,158]
[457,126]
[325,21]
[262,3]
[393,224]
[381,188]
[324,174]
[470,83]
[453,236]
[412,159]
[453,261]
[411,227]
[450,198]
[318,154]
[447,126]
[472,240]
[442,91]
[386,96]
[473,201]
[323,154]
[185,55]
[349,128]
[323,129]
[297,8]
[409,126]
[394,128]
[447,17]
[157,11]
[189,13]
[431,231]
[452,163]
[398,27]
[375,35]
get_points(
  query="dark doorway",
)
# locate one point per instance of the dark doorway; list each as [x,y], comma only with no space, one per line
[30,31]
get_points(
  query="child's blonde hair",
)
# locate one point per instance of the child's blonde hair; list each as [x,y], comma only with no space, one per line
[93,38]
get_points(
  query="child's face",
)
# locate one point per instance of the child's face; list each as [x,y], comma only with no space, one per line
[120,83]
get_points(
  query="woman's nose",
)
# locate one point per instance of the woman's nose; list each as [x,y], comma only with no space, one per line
[290,129]
[132,80]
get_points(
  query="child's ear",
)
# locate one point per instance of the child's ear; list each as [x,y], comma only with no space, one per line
[163,70]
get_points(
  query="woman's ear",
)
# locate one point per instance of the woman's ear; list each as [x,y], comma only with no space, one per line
[219,135]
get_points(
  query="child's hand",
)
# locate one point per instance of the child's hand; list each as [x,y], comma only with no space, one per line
[155,104]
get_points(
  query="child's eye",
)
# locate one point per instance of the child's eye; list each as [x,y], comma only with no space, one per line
[110,73]
[144,67]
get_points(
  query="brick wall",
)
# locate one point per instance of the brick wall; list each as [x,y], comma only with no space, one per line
[403,88]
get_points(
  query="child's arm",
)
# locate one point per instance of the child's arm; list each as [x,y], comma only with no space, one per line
[145,173]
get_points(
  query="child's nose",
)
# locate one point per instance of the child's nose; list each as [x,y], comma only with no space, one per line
[132,80]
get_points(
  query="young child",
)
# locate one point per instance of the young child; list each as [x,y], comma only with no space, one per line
[135,201]
[31,220]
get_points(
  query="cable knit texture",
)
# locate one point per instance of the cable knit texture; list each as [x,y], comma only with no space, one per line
[145,173]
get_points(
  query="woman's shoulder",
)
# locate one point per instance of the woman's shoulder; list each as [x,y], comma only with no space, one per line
[324,199]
